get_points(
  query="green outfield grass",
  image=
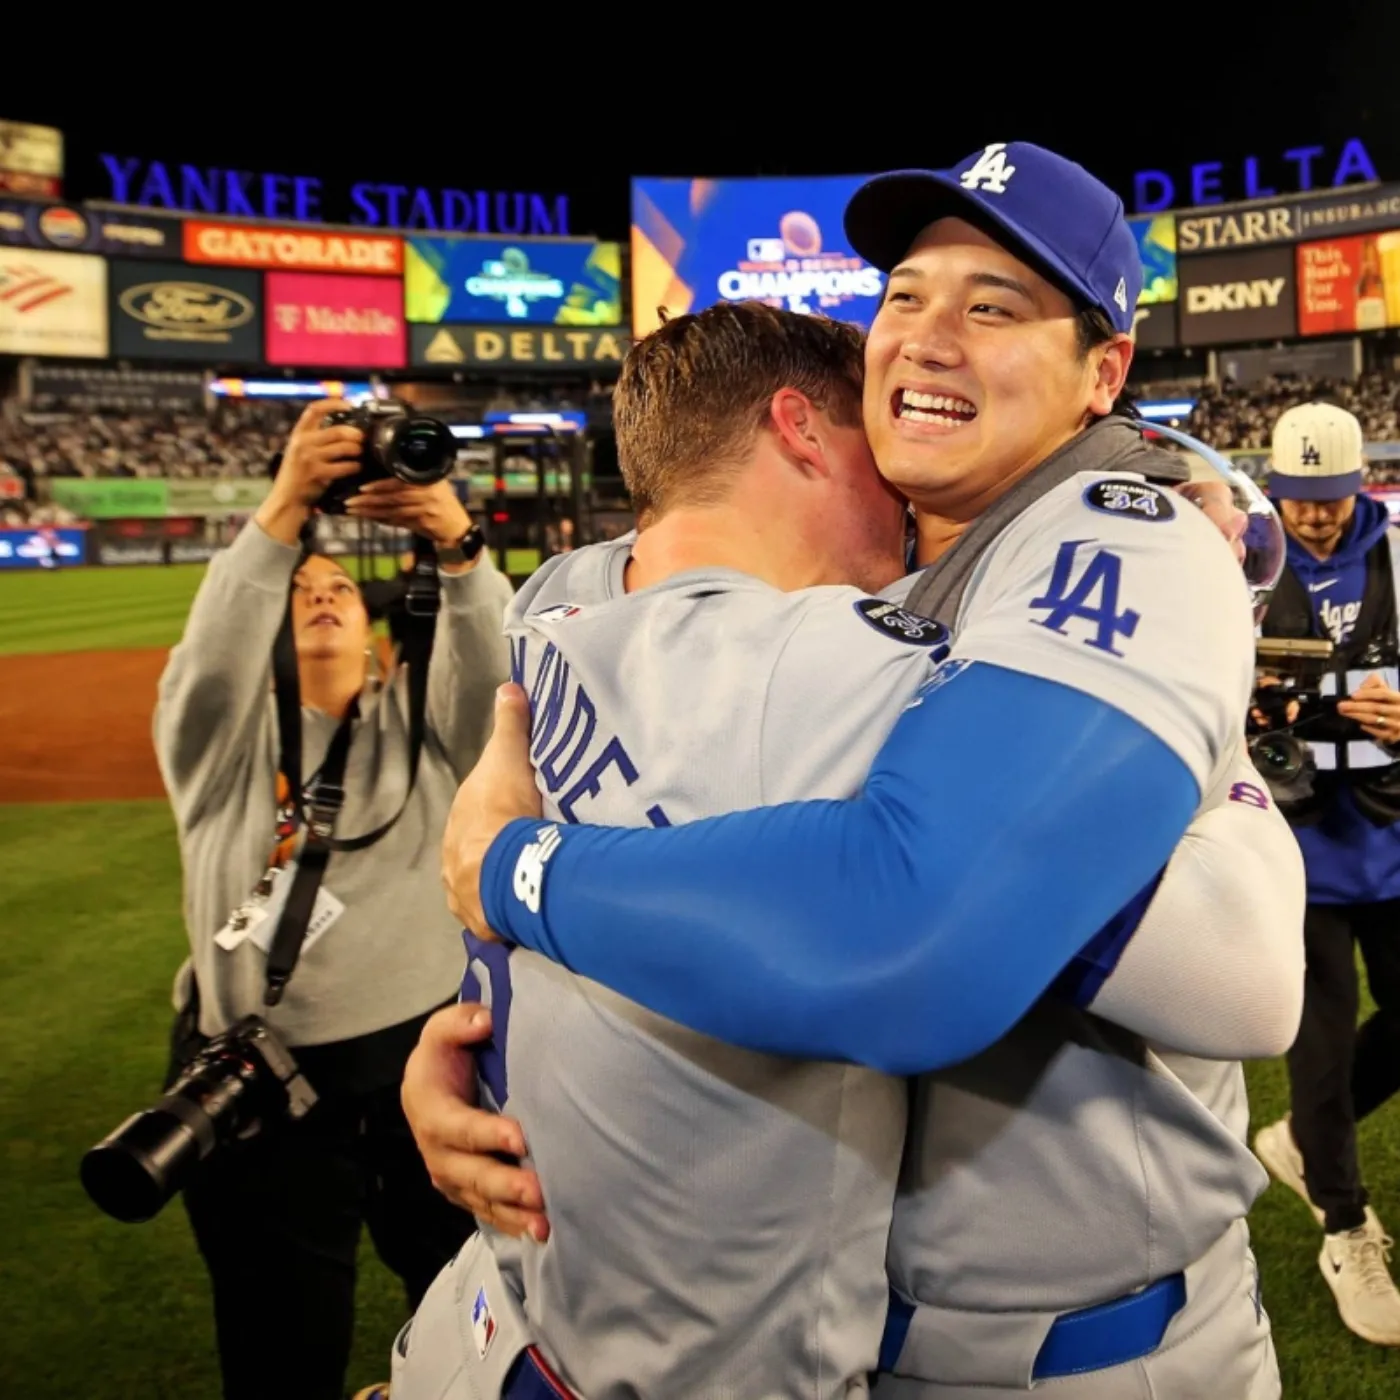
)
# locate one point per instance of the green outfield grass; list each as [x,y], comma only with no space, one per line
[91,1309]
[101,1311]
[90,917]
[96,609]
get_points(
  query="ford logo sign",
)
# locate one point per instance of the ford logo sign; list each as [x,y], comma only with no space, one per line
[170,306]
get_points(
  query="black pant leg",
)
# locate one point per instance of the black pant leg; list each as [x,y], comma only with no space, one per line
[1319,1068]
[278,1221]
[1375,1075]
[415,1229]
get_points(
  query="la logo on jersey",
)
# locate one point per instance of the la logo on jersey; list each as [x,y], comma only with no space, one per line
[991,172]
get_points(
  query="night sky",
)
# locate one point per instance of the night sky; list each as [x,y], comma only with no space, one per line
[1188,92]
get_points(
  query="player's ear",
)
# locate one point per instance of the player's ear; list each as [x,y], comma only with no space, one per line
[1115,359]
[797,422]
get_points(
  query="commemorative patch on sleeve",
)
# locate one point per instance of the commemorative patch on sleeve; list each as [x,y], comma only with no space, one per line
[902,625]
[1134,499]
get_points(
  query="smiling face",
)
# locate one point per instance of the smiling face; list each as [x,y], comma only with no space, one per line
[329,621]
[974,373]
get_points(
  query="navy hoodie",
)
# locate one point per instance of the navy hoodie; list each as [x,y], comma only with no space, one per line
[1348,860]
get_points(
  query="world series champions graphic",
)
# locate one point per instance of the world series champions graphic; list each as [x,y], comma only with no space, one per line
[781,241]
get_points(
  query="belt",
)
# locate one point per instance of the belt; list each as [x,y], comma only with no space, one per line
[1090,1339]
[531,1379]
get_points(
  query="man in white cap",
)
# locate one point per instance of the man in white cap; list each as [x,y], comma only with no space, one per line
[1341,585]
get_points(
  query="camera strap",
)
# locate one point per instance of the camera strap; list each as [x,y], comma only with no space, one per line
[319,809]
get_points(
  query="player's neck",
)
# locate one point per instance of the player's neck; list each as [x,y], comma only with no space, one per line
[728,536]
[329,685]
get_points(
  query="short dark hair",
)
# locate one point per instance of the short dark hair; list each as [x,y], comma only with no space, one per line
[694,393]
[1091,328]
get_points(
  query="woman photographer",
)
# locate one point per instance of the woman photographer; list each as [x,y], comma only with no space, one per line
[277,1217]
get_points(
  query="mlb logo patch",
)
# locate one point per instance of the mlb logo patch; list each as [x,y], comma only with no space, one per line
[483,1324]
[553,614]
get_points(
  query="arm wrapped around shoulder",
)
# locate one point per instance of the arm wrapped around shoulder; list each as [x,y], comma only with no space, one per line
[1215,968]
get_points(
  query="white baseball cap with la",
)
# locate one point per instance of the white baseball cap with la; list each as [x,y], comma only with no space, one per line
[1317,454]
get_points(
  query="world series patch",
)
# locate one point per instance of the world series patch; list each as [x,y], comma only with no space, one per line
[902,625]
[1134,499]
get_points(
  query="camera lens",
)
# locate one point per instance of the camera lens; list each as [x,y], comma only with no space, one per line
[422,451]
[133,1173]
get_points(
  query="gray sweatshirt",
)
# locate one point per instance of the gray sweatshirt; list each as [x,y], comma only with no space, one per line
[396,951]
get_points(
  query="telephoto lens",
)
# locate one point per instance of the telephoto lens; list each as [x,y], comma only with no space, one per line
[237,1083]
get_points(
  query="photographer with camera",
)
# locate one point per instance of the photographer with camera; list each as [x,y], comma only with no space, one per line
[1332,753]
[286,1130]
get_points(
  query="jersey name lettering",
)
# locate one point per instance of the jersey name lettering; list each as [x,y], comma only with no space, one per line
[570,754]
[1091,598]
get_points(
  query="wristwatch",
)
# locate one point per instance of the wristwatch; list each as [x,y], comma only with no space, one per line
[465,550]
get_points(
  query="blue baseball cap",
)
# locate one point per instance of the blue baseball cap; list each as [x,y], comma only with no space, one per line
[1056,215]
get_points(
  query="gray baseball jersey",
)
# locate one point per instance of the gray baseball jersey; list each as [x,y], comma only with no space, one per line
[719,1218]
[1071,1164]
[714,1210]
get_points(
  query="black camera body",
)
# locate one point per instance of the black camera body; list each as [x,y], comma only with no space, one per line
[233,1087]
[1280,747]
[416,449]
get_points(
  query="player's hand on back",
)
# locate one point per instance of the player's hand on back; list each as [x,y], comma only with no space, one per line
[461,1144]
[500,789]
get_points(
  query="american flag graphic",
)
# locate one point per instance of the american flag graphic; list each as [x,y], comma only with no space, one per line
[25,288]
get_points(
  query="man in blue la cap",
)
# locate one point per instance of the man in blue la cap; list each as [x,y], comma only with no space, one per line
[1072,1202]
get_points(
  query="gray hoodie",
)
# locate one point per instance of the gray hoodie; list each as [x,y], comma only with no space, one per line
[396,951]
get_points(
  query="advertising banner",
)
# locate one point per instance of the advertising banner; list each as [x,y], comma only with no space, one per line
[293,249]
[169,311]
[698,242]
[53,304]
[515,345]
[215,497]
[31,159]
[90,387]
[44,547]
[107,498]
[1237,296]
[487,280]
[1154,325]
[67,228]
[1349,284]
[1156,240]
[1262,222]
[1326,359]
[323,320]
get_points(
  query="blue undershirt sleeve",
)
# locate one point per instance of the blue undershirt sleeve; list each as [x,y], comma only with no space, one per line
[1005,821]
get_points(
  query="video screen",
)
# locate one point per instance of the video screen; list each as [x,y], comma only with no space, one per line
[780,241]
[499,282]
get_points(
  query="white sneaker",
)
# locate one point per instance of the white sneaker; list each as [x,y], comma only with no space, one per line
[1354,1265]
[1275,1147]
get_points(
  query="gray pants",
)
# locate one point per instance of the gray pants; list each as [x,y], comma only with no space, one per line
[1218,1346]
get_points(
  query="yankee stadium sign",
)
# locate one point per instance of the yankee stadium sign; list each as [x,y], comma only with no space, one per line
[248,194]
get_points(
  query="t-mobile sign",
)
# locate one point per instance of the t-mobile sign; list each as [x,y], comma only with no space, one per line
[340,322]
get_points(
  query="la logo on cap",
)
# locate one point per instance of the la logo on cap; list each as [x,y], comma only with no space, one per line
[991,171]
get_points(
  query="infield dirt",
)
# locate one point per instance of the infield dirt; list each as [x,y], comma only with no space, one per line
[76,726]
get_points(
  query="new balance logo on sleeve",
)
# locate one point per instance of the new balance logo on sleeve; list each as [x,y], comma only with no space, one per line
[529,867]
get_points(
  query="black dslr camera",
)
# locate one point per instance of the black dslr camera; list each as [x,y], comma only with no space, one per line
[236,1084]
[1280,746]
[417,449]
